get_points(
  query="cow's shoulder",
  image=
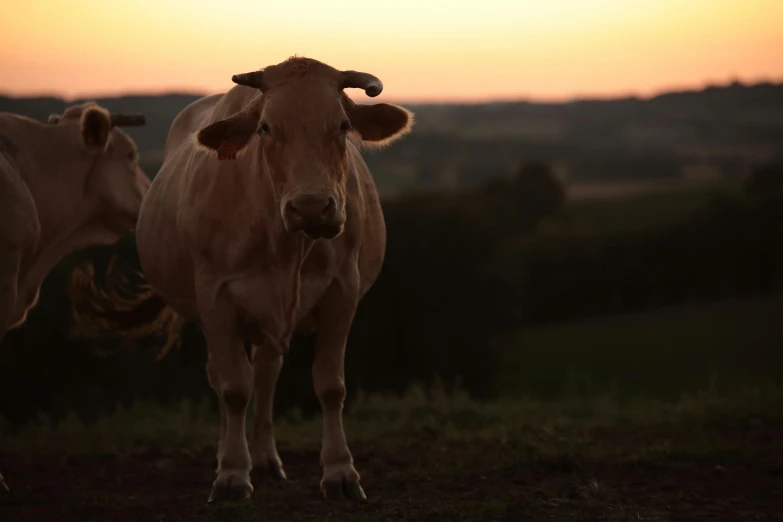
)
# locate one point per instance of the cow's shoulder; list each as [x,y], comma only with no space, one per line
[214,209]
[219,213]
[19,223]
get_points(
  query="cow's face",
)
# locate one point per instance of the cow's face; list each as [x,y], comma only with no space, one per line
[117,183]
[114,185]
[302,122]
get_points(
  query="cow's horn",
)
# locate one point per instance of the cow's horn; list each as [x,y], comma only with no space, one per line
[372,86]
[127,120]
[253,79]
[53,118]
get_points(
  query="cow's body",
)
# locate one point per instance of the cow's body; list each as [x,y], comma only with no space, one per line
[191,183]
[64,185]
[213,242]
[55,197]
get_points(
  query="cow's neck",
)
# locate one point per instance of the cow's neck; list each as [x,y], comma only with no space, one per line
[275,256]
[55,171]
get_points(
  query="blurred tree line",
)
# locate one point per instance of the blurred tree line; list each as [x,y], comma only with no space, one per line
[461,268]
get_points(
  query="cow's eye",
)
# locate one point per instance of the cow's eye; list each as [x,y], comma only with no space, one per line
[344,126]
[264,127]
[132,156]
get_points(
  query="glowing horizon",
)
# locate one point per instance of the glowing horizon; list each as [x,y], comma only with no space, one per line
[431,51]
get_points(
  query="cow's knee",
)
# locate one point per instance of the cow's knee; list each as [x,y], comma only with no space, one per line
[236,398]
[234,386]
[232,382]
[331,395]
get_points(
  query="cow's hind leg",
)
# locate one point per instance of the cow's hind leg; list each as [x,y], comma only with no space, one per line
[335,314]
[231,377]
[9,267]
[9,273]
[222,433]
[267,362]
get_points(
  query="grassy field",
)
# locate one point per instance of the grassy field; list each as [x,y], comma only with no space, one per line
[618,440]
[426,456]
[722,345]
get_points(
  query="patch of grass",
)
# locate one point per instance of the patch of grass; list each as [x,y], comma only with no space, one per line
[420,415]
[188,423]
[722,345]
[429,455]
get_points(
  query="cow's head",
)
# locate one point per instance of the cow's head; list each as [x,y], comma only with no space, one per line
[114,185]
[302,121]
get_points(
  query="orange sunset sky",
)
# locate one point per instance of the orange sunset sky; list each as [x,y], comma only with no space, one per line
[423,50]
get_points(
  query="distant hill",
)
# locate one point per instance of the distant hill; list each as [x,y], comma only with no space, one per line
[718,131]
[160,112]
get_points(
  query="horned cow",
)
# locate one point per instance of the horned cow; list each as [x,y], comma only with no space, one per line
[264,221]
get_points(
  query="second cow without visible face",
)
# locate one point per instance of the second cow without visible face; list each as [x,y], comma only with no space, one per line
[67,184]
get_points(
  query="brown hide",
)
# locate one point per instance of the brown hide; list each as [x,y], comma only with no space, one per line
[64,185]
[264,220]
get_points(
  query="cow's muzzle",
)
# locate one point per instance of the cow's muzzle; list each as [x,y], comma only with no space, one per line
[317,215]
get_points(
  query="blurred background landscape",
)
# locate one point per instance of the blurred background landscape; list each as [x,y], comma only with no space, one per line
[534,249]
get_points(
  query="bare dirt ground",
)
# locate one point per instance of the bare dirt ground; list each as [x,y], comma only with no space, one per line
[710,474]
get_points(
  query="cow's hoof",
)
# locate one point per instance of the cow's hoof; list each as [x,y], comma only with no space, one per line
[342,482]
[272,469]
[344,490]
[230,487]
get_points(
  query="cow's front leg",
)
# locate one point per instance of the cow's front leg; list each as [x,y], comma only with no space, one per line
[9,272]
[335,315]
[9,266]
[267,362]
[231,377]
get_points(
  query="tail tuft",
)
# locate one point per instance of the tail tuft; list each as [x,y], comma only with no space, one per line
[112,300]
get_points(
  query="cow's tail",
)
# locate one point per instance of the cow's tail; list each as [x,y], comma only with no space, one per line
[112,302]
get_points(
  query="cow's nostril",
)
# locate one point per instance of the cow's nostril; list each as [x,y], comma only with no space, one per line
[311,208]
[330,204]
[291,208]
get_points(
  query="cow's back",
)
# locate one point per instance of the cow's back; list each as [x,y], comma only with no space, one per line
[163,254]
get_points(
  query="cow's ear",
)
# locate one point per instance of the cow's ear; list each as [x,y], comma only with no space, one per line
[95,128]
[379,124]
[230,135]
